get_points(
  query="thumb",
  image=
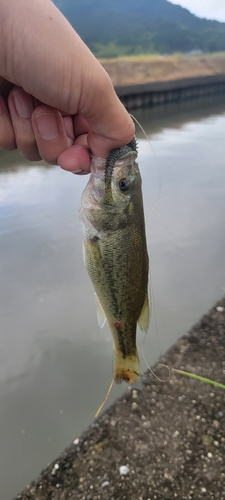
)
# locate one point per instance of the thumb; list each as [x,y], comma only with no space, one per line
[110,124]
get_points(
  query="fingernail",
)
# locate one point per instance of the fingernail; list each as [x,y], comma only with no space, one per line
[23,104]
[78,171]
[47,126]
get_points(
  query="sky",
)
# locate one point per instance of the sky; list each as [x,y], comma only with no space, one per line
[210,9]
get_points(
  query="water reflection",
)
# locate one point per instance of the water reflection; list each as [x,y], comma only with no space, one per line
[175,115]
[11,161]
[55,362]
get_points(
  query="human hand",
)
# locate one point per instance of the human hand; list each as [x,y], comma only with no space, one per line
[57,103]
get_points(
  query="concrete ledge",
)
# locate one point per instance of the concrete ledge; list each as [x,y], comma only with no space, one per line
[150,94]
[165,442]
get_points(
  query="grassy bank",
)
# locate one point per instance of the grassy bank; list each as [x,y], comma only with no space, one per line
[155,67]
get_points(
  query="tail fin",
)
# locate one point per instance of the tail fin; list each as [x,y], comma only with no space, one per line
[127,369]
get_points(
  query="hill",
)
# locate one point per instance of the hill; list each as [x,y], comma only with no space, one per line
[113,27]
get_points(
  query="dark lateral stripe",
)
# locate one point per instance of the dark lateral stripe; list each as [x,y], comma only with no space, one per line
[121,343]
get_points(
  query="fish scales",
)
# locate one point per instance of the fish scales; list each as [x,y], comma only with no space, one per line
[115,255]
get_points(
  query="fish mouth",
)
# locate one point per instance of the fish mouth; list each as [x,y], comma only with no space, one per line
[114,156]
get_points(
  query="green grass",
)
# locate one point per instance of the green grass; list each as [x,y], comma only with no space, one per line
[157,56]
[202,379]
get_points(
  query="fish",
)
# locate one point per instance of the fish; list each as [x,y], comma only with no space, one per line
[115,253]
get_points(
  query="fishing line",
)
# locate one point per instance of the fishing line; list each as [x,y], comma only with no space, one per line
[152,299]
[153,373]
[177,196]
[151,295]
[155,157]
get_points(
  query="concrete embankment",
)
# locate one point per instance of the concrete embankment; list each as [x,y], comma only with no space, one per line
[164,442]
[156,79]
[151,94]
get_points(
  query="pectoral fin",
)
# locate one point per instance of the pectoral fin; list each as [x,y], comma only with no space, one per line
[143,320]
[100,312]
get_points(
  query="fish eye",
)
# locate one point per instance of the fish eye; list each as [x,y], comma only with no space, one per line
[124,185]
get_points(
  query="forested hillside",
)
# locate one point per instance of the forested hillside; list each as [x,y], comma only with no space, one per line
[123,27]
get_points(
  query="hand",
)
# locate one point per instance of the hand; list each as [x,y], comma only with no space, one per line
[57,103]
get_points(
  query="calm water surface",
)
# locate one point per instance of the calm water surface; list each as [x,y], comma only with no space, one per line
[55,362]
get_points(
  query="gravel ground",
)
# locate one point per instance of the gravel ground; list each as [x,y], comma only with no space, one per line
[164,442]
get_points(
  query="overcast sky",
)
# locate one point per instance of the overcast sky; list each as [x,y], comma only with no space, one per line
[210,9]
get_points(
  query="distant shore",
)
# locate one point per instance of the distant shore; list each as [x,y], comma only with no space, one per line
[136,70]
[144,81]
[165,442]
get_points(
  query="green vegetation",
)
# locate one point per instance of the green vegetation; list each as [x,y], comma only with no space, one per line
[113,28]
[202,379]
[155,57]
[110,51]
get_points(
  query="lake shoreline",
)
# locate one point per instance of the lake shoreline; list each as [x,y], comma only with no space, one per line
[170,437]
[146,81]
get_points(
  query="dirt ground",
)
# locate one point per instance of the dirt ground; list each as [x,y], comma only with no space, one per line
[164,442]
[144,69]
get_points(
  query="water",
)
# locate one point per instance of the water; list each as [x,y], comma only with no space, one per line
[55,362]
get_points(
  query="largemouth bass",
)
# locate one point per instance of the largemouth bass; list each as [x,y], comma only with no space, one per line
[115,253]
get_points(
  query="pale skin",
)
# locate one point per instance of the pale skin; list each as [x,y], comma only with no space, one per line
[57,103]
